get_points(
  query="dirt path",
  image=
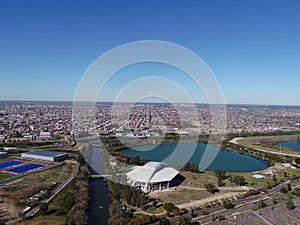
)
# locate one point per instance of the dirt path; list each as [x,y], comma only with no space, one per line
[202,202]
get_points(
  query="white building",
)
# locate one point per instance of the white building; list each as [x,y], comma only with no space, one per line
[153,176]
[51,156]
[3,155]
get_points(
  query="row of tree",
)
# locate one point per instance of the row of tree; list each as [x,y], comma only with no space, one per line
[191,168]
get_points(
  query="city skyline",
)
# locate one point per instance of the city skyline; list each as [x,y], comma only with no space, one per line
[251,47]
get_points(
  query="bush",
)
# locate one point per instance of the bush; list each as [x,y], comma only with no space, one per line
[228,205]
[261,204]
[169,207]
[296,191]
[252,192]
[210,187]
[283,190]
[290,204]
[205,212]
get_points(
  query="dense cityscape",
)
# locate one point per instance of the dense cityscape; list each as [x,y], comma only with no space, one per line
[41,120]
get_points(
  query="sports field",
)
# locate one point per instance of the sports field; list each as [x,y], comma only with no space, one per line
[18,167]
[24,168]
[10,163]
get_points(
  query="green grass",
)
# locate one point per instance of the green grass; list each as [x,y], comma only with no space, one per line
[51,175]
[198,180]
[250,181]
[182,196]
[45,220]
[4,175]
[60,198]
[155,210]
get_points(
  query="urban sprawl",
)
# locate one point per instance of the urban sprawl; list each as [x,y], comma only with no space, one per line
[30,121]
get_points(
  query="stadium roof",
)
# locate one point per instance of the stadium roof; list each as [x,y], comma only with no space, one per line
[152,172]
[46,153]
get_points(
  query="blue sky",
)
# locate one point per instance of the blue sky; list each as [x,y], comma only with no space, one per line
[253,47]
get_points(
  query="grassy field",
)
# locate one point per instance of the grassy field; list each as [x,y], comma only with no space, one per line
[56,174]
[156,210]
[4,175]
[250,181]
[181,196]
[58,201]
[270,142]
[198,180]
[45,220]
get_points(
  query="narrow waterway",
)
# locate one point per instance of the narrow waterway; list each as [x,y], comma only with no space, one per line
[99,199]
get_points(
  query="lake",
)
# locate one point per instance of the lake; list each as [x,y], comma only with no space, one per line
[224,160]
[290,144]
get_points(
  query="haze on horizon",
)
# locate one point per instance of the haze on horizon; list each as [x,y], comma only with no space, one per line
[252,47]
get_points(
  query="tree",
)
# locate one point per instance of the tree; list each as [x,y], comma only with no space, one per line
[210,187]
[183,220]
[283,190]
[220,175]
[296,191]
[169,207]
[191,167]
[289,187]
[205,212]
[261,204]
[290,204]
[187,166]
[238,180]
[228,205]
[297,160]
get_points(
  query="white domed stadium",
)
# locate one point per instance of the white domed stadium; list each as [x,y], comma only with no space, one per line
[153,176]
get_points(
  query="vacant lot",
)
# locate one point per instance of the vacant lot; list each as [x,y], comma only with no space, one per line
[180,196]
[198,180]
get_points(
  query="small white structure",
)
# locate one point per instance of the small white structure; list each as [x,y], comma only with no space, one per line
[3,155]
[152,176]
[258,176]
[51,156]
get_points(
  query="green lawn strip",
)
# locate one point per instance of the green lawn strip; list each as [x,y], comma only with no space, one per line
[4,175]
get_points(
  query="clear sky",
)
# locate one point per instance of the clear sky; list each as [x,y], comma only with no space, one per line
[253,47]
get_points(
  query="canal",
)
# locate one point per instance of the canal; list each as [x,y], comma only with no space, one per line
[99,193]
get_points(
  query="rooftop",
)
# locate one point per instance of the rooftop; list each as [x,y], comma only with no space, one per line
[152,172]
[46,153]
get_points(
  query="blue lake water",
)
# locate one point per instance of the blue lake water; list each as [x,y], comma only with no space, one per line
[290,144]
[177,155]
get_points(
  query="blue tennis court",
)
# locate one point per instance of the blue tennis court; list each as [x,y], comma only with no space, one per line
[25,168]
[10,163]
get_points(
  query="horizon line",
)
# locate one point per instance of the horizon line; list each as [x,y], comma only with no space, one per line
[128,102]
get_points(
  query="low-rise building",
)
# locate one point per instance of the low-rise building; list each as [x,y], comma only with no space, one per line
[3,155]
[51,156]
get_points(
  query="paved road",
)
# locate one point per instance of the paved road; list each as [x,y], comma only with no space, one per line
[244,204]
[263,218]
